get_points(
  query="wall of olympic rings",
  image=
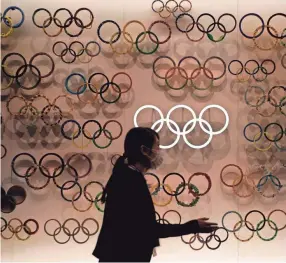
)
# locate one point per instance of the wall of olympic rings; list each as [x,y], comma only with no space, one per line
[208,76]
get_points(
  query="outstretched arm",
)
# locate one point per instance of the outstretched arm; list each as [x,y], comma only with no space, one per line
[191,227]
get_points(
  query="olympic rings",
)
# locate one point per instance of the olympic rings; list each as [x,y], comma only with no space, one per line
[76,54]
[66,24]
[8,21]
[71,233]
[97,88]
[16,230]
[171,124]
[94,135]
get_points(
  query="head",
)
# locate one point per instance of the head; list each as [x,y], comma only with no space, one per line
[142,146]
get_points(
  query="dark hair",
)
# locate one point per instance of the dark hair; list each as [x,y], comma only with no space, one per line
[135,138]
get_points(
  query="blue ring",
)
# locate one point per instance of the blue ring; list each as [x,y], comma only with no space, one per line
[82,77]
[13,8]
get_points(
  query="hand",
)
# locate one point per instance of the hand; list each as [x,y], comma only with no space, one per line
[206,227]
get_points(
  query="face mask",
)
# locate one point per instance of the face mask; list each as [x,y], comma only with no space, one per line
[156,159]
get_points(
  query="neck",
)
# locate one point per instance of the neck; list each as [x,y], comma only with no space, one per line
[141,168]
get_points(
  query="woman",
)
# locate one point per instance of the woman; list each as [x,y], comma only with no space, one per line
[129,230]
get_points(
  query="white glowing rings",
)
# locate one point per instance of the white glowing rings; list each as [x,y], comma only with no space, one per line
[174,128]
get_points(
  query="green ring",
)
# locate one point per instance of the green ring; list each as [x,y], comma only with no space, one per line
[249,104]
[282,104]
[229,212]
[267,239]
[260,80]
[96,202]
[281,41]
[184,85]
[210,37]
[102,147]
[194,201]
[150,52]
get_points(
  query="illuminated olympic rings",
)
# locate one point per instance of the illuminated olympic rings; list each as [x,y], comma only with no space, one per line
[204,125]
[72,19]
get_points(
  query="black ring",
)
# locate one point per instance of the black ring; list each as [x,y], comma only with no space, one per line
[105,87]
[157,178]
[54,47]
[88,137]
[256,124]
[269,95]
[55,20]
[175,212]
[235,22]
[90,78]
[13,163]
[72,52]
[154,3]
[26,229]
[87,50]
[99,28]
[91,15]
[268,25]
[216,237]
[224,64]
[25,69]
[4,60]
[187,30]
[89,164]
[175,193]
[81,28]
[75,183]
[38,10]
[112,158]
[257,68]
[246,223]
[240,63]
[227,234]
[81,50]
[197,22]
[70,187]
[43,54]
[84,191]
[3,228]
[5,151]
[240,25]
[61,161]
[273,63]
[18,193]
[156,213]
[281,128]
[64,133]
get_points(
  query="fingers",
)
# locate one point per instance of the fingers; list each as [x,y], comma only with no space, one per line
[203,218]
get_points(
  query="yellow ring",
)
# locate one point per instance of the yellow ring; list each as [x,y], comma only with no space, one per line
[85,62]
[124,30]
[82,146]
[55,35]
[114,49]
[81,210]
[9,83]
[170,191]
[263,48]
[11,29]
[255,140]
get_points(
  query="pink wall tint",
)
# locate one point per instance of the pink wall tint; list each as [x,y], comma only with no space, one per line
[226,148]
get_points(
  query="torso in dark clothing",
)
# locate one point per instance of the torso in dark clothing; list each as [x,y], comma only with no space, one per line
[129,223]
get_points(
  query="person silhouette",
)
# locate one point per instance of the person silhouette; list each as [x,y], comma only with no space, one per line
[129,231]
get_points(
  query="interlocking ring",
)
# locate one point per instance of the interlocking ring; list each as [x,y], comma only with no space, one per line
[186,130]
